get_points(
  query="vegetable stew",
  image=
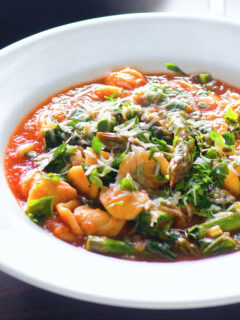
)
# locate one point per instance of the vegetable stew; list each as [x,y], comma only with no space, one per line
[138,166]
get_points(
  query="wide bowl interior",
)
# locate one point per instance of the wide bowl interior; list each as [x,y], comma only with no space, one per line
[37,67]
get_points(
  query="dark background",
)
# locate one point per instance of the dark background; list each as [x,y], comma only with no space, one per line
[19,19]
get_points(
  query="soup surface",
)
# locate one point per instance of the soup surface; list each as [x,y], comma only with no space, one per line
[134,165]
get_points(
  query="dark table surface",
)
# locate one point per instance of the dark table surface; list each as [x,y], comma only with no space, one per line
[21,18]
[22,301]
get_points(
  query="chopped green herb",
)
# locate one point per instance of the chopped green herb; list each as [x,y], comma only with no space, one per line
[118,203]
[97,146]
[171,66]
[212,153]
[40,209]
[127,183]
[111,97]
[105,126]
[205,78]
[231,116]
[176,105]
[95,179]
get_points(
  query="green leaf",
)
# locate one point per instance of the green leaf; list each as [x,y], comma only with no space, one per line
[154,225]
[171,66]
[212,153]
[53,137]
[116,163]
[127,183]
[231,116]
[111,97]
[229,139]
[79,115]
[56,160]
[176,105]
[220,171]
[40,209]
[105,126]
[214,135]
[96,145]
[161,144]
[95,179]
[51,176]
[129,124]
[30,154]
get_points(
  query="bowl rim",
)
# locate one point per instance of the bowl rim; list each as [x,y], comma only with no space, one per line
[13,270]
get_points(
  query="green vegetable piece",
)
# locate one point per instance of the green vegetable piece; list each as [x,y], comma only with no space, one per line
[171,66]
[96,145]
[212,153]
[231,116]
[219,172]
[108,246]
[51,176]
[161,145]
[186,247]
[176,105]
[95,179]
[161,248]
[127,183]
[220,245]
[205,78]
[30,154]
[161,133]
[57,160]
[227,141]
[111,97]
[40,209]
[105,126]
[155,93]
[227,221]
[116,163]
[154,225]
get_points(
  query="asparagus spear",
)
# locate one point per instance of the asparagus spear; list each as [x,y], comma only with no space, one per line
[220,245]
[108,246]
[184,147]
[186,247]
[227,221]
[162,249]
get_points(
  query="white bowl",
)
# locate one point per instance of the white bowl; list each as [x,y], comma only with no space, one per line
[41,65]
